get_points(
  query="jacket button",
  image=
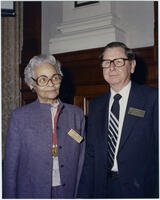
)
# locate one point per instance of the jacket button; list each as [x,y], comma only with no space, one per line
[62,165]
[63,184]
[60,147]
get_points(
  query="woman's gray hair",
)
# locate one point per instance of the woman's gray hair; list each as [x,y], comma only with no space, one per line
[38,60]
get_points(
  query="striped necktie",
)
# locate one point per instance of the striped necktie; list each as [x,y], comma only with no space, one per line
[113,130]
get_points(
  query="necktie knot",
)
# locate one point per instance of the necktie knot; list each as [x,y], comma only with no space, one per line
[117,97]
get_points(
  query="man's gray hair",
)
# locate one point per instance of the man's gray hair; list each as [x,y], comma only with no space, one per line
[129,53]
[38,60]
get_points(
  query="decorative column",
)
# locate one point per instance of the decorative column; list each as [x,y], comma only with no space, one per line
[86,27]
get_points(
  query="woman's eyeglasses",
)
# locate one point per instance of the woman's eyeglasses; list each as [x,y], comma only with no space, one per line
[43,80]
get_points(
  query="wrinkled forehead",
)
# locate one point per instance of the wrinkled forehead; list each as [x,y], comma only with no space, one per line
[45,69]
[114,52]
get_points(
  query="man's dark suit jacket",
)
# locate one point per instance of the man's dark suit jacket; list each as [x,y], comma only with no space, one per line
[138,151]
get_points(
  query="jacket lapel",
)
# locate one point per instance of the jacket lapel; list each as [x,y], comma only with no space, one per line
[45,118]
[102,125]
[135,100]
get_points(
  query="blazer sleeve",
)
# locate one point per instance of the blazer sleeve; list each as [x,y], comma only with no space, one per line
[11,156]
[86,185]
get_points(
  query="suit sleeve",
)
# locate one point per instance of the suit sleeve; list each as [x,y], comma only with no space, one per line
[86,186]
[155,128]
[12,146]
[155,119]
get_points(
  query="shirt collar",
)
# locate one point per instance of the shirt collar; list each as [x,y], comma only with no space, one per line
[45,106]
[54,105]
[124,92]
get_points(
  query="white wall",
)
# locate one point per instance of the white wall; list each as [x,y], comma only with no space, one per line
[52,12]
[132,22]
[137,18]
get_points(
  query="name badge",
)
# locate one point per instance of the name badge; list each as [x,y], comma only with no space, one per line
[136,112]
[75,136]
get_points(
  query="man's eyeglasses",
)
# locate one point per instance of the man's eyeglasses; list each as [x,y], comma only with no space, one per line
[43,80]
[118,62]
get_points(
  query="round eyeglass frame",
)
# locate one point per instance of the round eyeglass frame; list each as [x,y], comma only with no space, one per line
[48,79]
[114,61]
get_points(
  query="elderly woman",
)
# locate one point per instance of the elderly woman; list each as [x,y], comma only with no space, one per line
[45,144]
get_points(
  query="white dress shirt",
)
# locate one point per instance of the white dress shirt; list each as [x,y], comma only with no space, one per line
[123,104]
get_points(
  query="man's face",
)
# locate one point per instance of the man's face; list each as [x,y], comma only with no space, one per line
[117,77]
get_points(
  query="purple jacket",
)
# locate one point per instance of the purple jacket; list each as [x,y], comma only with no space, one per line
[28,161]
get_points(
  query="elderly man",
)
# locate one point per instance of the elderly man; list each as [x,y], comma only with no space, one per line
[122,140]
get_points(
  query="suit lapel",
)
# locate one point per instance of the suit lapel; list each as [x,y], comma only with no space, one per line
[135,100]
[102,124]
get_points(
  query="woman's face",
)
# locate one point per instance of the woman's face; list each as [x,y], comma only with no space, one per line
[49,92]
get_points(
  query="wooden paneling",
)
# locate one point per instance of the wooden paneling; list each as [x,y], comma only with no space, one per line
[31,30]
[83,75]
[31,43]
[85,66]
[86,73]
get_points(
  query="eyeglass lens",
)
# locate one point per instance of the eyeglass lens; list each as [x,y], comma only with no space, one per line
[118,62]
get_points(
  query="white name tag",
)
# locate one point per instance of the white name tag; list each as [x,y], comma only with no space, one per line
[75,136]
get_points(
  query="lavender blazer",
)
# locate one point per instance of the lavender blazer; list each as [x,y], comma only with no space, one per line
[28,161]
